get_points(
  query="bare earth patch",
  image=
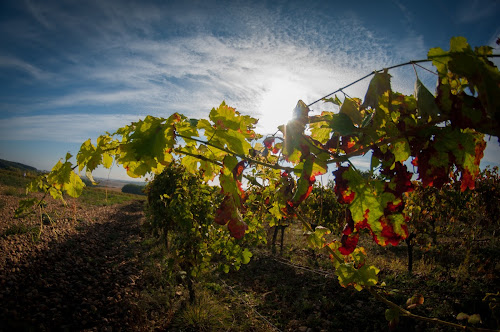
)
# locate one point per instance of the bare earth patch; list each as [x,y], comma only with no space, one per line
[78,273]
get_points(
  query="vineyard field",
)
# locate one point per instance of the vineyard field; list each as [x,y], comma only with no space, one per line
[99,268]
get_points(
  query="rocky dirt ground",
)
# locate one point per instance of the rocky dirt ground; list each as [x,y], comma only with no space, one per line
[78,273]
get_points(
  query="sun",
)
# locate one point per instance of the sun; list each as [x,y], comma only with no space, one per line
[278,102]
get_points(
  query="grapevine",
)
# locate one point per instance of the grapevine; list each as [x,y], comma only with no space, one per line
[442,135]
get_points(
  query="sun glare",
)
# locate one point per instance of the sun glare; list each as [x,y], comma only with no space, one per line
[278,102]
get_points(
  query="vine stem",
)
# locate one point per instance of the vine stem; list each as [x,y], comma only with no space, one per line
[309,228]
[408,314]
[213,162]
[250,160]
[198,156]
[41,222]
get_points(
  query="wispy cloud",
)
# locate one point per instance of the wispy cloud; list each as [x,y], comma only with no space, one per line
[125,64]
[18,64]
[475,10]
[74,128]
[39,13]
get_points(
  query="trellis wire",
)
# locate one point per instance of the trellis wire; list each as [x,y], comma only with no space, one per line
[252,308]
[412,62]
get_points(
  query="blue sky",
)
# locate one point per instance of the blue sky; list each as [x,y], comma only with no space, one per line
[71,70]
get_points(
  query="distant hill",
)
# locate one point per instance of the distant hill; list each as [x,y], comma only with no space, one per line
[102,182]
[12,165]
[112,183]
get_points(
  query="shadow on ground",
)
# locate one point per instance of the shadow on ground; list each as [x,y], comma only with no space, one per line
[86,281]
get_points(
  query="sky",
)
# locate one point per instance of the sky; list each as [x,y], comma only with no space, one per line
[72,70]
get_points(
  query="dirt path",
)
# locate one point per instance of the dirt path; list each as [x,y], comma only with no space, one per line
[80,275]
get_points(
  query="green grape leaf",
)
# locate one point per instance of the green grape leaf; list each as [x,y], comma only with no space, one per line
[320,127]
[484,79]
[275,212]
[188,161]
[228,183]
[56,193]
[439,60]
[234,140]
[426,103]
[301,112]
[459,44]
[227,118]
[24,206]
[368,275]
[209,170]
[401,150]
[87,156]
[342,124]
[59,174]
[379,84]
[391,314]
[193,122]
[74,186]
[107,160]
[36,184]
[147,145]
[245,256]
[334,100]
[316,239]
[295,145]
[321,134]
[365,276]
[346,274]
[374,162]
[308,171]
[204,124]
[350,107]
[187,128]
[474,319]
[366,203]
[372,205]
[311,166]
[359,256]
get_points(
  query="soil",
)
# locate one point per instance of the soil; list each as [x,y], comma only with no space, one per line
[78,273]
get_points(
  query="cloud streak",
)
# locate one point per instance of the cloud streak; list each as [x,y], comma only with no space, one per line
[15,63]
[146,58]
[74,128]
[263,69]
[475,10]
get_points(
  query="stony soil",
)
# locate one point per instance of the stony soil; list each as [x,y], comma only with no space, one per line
[78,273]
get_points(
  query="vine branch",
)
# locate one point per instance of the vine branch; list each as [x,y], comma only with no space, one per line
[408,314]
[250,160]
[411,62]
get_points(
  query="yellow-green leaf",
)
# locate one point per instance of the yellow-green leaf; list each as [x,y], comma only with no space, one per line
[74,186]
[350,107]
